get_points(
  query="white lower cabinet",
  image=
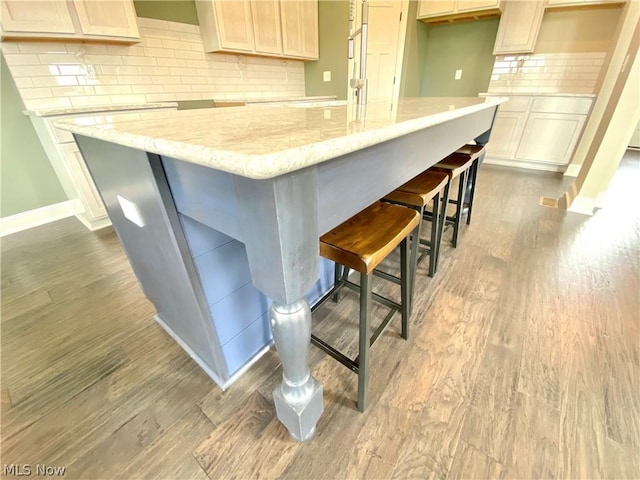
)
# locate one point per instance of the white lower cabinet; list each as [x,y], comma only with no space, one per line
[550,137]
[538,132]
[70,168]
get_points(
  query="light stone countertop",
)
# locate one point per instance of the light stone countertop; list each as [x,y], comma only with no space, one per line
[536,94]
[49,112]
[268,141]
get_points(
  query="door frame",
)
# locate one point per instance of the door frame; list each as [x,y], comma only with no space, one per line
[402,32]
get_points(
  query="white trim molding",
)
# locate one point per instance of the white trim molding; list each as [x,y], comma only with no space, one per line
[572,170]
[583,205]
[506,162]
[35,218]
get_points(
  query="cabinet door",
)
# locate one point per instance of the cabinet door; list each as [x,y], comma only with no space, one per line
[108,18]
[476,5]
[430,8]
[89,196]
[550,137]
[234,25]
[267,28]
[519,26]
[300,28]
[505,134]
[36,16]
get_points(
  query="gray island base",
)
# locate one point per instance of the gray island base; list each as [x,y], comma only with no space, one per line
[264,182]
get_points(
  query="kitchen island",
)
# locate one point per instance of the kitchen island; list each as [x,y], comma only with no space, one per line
[268,181]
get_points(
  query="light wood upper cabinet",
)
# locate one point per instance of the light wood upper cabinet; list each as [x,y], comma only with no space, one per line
[109,20]
[112,18]
[280,28]
[436,9]
[234,22]
[36,17]
[300,28]
[519,26]
[267,29]
[580,3]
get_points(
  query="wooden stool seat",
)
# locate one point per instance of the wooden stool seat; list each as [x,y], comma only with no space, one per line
[455,164]
[417,193]
[464,164]
[420,190]
[473,151]
[363,241]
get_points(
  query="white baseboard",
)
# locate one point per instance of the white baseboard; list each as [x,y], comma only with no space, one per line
[508,162]
[572,170]
[583,205]
[93,225]
[35,218]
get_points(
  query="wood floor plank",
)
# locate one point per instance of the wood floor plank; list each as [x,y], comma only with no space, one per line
[471,464]
[523,359]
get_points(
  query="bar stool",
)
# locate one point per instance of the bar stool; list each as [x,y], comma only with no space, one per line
[417,193]
[361,243]
[463,164]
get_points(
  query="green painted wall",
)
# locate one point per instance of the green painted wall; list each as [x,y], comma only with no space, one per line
[27,179]
[414,51]
[333,30]
[467,46]
[182,11]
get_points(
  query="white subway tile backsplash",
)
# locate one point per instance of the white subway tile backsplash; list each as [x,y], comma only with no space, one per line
[9,47]
[160,97]
[42,47]
[21,59]
[73,91]
[34,70]
[28,93]
[134,79]
[172,62]
[176,44]
[168,64]
[112,89]
[117,69]
[547,73]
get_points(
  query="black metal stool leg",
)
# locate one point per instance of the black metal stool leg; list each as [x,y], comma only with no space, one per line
[407,272]
[364,341]
[415,250]
[462,182]
[337,273]
[443,219]
[433,248]
[472,180]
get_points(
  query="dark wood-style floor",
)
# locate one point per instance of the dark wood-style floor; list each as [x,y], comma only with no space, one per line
[523,360]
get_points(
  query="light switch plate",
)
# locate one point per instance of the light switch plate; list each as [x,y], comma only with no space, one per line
[458,75]
[326,76]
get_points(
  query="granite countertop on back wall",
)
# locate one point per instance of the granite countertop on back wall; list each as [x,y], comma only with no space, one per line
[49,112]
[535,94]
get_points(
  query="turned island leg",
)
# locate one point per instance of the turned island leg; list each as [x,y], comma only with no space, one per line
[280,230]
[298,399]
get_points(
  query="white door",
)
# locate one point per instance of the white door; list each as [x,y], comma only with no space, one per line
[386,30]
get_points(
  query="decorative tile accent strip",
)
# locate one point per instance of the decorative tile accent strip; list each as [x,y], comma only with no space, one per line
[546,73]
[168,64]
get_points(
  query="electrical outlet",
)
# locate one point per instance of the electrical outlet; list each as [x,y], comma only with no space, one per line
[458,75]
[326,76]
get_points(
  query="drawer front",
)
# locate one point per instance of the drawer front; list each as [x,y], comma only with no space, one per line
[577,105]
[516,104]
